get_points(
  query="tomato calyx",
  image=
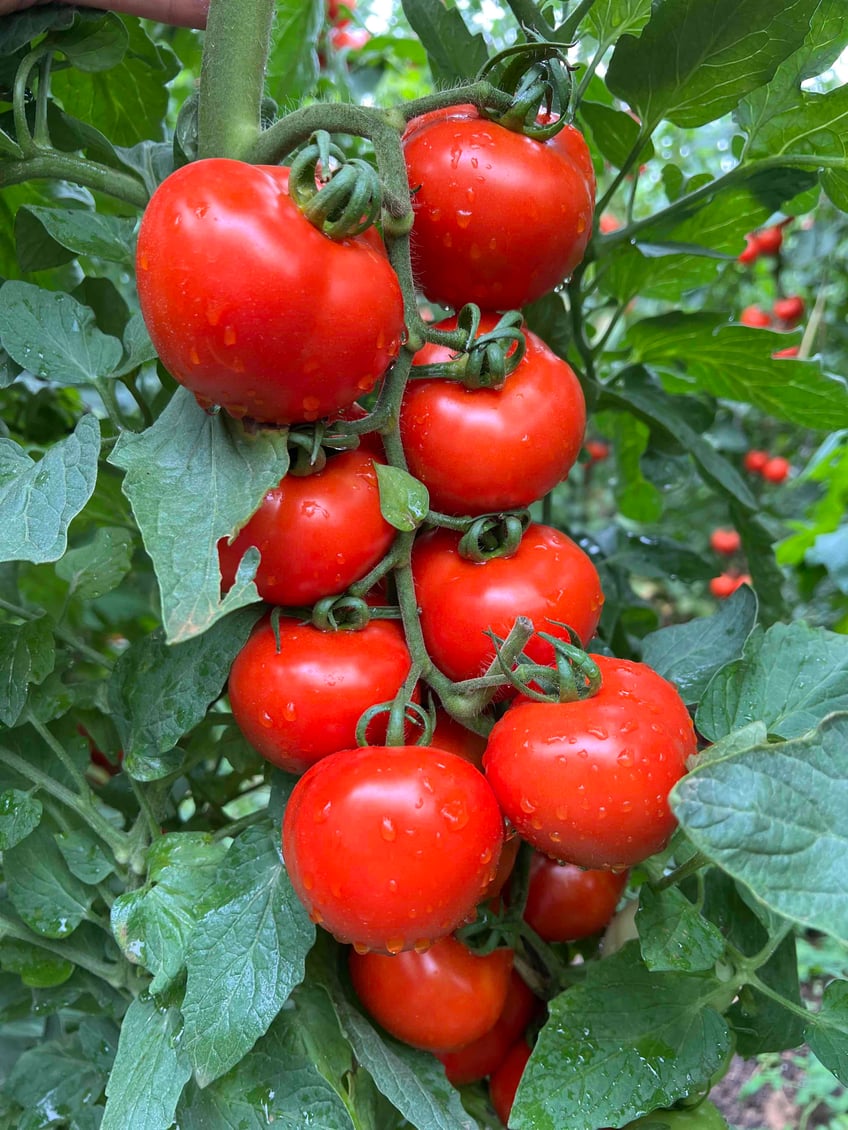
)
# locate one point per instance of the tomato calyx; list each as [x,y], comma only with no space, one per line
[307,444]
[494,535]
[535,75]
[339,196]
[575,675]
[344,613]
[483,361]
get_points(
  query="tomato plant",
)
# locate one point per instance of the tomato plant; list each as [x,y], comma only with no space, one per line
[726,542]
[565,902]
[504,1080]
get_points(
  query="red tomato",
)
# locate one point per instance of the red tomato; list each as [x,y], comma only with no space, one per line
[587,782]
[754,316]
[504,1081]
[769,240]
[608,223]
[317,534]
[789,310]
[726,542]
[338,12]
[483,450]
[391,848]
[597,450]
[752,250]
[484,1055]
[565,903]
[441,999]
[453,736]
[754,461]
[500,218]
[549,578]
[790,351]
[349,38]
[303,702]
[253,308]
[776,469]
[726,584]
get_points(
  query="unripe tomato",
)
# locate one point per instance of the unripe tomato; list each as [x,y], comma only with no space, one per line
[252,307]
[482,450]
[549,578]
[317,534]
[441,999]
[391,848]
[776,469]
[587,782]
[754,461]
[484,1055]
[726,542]
[300,703]
[565,902]
[754,316]
[504,1080]
[500,218]
[789,310]
[769,240]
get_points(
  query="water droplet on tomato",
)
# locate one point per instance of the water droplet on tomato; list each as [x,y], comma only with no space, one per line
[435,214]
[387,829]
[629,726]
[194,357]
[365,384]
[555,837]
[290,712]
[581,223]
[422,945]
[626,805]
[486,856]
[561,812]
[626,758]
[230,336]
[455,814]
[316,916]
[308,881]
[526,805]
[446,239]
[597,732]
[583,754]
[361,948]
[266,720]
[393,885]
[475,252]
[144,262]
[321,815]
[463,218]
[311,403]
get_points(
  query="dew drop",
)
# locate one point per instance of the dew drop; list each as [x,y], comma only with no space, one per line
[561,812]
[266,720]
[316,916]
[387,829]
[194,357]
[422,945]
[626,758]
[230,336]
[308,881]
[597,732]
[393,886]
[361,948]
[394,945]
[311,404]
[626,805]
[526,805]
[290,712]
[455,814]
[463,218]
[322,815]
[144,262]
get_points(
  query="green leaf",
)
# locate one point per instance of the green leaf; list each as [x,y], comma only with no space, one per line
[831,551]
[49,899]
[78,230]
[85,856]
[158,692]
[56,1077]
[151,1069]
[292,63]
[621,1042]
[53,336]
[813,129]
[673,935]
[658,557]
[835,184]
[759,549]
[245,955]
[20,814]
[210,478]
[615,133]
[98,567]
[773,817]
[702,352]
[96,42]
[827,1033]
[636,498]
[27,655]
[610,19]
[688,655]
[453,51]
[138,348]
[696,59]
[37,968]
[404,501]
[20,28]
[790,682]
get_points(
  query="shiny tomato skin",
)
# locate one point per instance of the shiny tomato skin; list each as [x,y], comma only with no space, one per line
[754,461]
[317,534]
[391,848]
[566,903]
[769,240]
[503,1082]
[776,469]
[452,735]
[755,317]
[726,542]
[500,218]
[549,578]
[303,703]
[789,310]
[251,307]
[587,782]
[483,450]
[438,1000]
[485,1054]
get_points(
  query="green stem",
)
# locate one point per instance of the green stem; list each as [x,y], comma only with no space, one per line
[588,74]
[239,825]
[22,132]
[796,1009]
[129,383]
[71,769]
[41,133]
[52,165]
[682,872]
[146,809]
[66,637]
[106,390]
[630,160]
[567,31]
[232,76]
[108,973]
[528,15]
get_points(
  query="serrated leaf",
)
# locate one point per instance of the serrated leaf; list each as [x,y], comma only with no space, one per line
[621,1042]
[37,968]
[85,856]
[453,51]
[615,133]
[827,1033]
[835,184]
[609,19]
[673,935]
[210,477]
[96,42]
[56,1076]
[138,348]
[49,899]
[150,1071]
[82,232]
[635,497]
[696,59]
[292,63]
[689,654]
[53,336]
[245,955]
[158,693]
[790,682]
[404,500]
[20,28]
[98,567]
[27,655]
[20,814]
[774,818]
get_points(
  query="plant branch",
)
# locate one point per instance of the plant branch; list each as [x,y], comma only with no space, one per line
[9,928]
[51,165]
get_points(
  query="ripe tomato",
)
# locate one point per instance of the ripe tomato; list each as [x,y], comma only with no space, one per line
[500,218]
[726,542]
[441,999]
[565,902]
[504,1080]
[349,38]
[453,736]
[587,782]
[303,702]
[754,316]
[776,469]
[790,351]
[251,307]
[391,848]
[483,450]
[769,240]
[485,1054]
[608,223]
[754,461]
[726,584]
[317,534]
[789,310]
[597,450]
[752,250]
[338,12]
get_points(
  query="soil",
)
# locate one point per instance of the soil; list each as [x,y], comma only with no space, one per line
[768,1108]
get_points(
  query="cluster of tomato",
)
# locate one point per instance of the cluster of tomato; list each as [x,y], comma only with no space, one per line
[391,847]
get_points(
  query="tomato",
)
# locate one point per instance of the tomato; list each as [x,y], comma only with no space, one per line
[754,461]
[597,450]
[705,1116]
[587,782]
[349,38]
[769,240]
[789,310]
[500,218]
[608,223]
[776,469]
[549,578]
[726,584]
[317,534]
[441,999]
[485,1054]
[504,1080]
[754,316]
[252,307]
[339,12]
[726,542]
[453,736]
[303,702]
[565,902]
[752,250]
[790,351]
[484,450]
[391,848]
